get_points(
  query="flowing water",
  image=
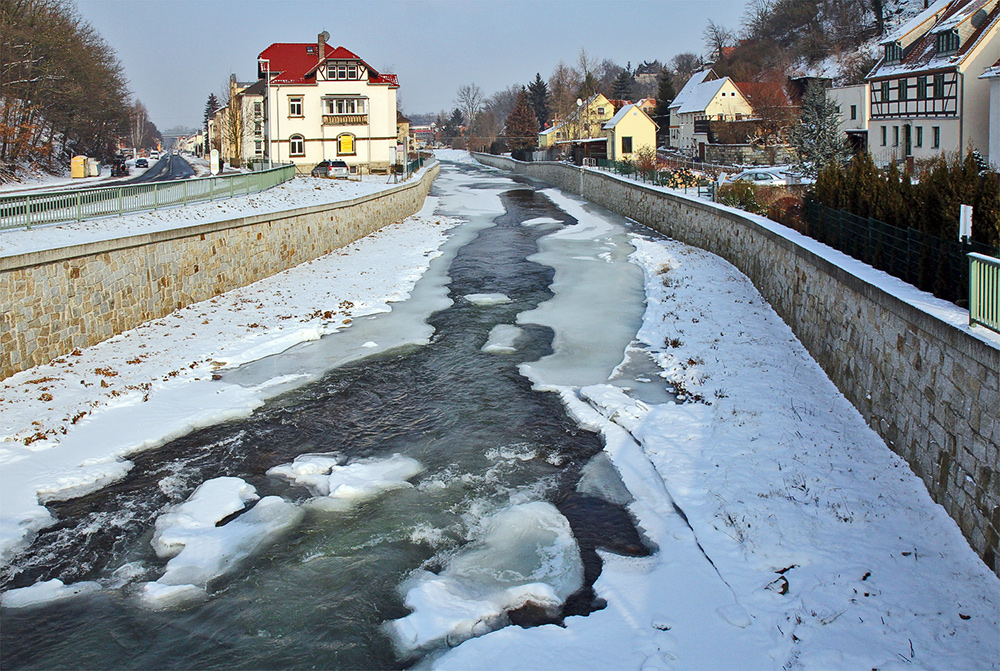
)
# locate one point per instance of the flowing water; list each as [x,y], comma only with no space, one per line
[318,597]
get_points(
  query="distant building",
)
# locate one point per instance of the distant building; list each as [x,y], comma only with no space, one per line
[852,105]
[992,75]
[926,95]
[327,103]
[586,122]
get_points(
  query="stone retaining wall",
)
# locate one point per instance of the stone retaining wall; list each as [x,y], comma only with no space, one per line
[931,390]
[57,300]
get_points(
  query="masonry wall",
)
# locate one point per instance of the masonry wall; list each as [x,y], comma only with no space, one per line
[929,389]
[57,300]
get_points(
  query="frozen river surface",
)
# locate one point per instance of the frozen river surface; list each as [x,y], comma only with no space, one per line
[573,445]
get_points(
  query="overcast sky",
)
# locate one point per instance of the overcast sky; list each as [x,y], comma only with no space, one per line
[176,52]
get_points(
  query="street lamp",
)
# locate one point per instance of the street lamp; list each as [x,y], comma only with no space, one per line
[266,62]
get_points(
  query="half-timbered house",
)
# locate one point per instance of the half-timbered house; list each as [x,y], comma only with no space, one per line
[925,94]
[326,103]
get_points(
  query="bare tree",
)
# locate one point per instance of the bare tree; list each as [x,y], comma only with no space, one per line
[717,37]
[562,90]
[470,100]
[234,122]
[686,64]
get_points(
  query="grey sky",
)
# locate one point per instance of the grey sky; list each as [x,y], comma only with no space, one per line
[176,52]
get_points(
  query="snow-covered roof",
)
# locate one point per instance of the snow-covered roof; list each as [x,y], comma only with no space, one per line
[613,121]
[694,82]
[701,96]
[932,13]
[992,72]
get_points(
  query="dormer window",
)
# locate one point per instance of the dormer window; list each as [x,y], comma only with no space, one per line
[310,49]
[893,52]
[947,42]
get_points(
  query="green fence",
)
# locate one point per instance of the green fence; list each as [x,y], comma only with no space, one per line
[984,291]
[27,210]
[925,261]
[678,179]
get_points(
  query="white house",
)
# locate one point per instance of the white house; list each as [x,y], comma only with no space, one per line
[327,103]
[926,95]
[704,98]
[852,104]
[992,75]
[629,131]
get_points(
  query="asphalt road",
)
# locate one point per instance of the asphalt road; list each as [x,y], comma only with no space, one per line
[169,167]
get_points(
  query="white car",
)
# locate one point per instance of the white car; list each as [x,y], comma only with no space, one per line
[760,177]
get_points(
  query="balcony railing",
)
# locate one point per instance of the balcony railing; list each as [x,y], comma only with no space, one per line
[984,291]
[345,119]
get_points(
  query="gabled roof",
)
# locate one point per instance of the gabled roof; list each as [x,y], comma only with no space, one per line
[693,83]
[974,21]
[297,62]
[624,112]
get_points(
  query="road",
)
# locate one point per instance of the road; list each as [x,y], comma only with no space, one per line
[170,167]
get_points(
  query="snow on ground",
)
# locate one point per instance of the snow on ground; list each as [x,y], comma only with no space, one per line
[67,427]
[788,535]
[299,192]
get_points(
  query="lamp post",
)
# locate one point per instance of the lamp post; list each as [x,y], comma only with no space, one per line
[267,107]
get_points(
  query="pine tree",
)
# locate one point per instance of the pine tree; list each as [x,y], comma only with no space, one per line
[212,106]
[538,96]
[622,88]
[816,138]
[522,126]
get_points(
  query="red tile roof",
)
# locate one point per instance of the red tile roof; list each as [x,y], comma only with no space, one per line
[296,63]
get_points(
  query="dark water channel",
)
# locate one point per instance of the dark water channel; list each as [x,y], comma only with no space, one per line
[318,598]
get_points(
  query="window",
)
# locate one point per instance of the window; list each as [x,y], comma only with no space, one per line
[342,71]
[947,42]
[626,145]
[893,53]
[257,107]
[854,112]
[885,90]
[936,137]
[920,136]
[297,145]
[345,106]
[310,49]
[883,136]
[902,87]
[939,85]
[345,145]
[295,107]
[895,136]
[600,110]
[258,128]
[258,148]
[352,71]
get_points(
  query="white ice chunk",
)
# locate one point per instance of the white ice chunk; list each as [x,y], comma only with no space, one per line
[212,552]
[502,338]
[45,592]
[157,596]
[213,501]
[537,221]
[487,299]
[600,478]
[362,479]
[527,555]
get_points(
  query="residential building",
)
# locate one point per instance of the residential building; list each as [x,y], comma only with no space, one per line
[327,103]
[628,132]
[704,98]
[586,122]
[926,95]
[852,105]
[241,123]
[992,75]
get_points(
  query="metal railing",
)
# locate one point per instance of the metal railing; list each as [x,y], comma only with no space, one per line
[923,260]
[674,179]
[984,291]
[27,210]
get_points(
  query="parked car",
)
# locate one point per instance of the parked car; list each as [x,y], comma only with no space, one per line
[331,169]
[141,163]
[760,177]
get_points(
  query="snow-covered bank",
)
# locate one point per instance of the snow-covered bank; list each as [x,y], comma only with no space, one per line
[789,535]
[67,427]
[299,192]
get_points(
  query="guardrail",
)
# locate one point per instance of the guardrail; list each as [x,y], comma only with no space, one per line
[984,291]
[27,210]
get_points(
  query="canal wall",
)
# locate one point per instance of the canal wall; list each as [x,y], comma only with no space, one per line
[57,300]
[929,388]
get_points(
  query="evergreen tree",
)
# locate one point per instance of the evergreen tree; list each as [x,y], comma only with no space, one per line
[622,89]
[522,126]
[538,96]
[665,94]
[816,138]
[212,106]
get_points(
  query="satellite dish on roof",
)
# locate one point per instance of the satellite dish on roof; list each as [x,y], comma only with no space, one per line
[326,36]
[978,18]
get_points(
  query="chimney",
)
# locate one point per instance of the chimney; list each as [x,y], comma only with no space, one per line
[321,46]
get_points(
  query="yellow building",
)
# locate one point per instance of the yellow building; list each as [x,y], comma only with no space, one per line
[628,131]
[586,122]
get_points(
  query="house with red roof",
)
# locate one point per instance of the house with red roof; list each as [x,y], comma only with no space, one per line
[926,95]
[327,103]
